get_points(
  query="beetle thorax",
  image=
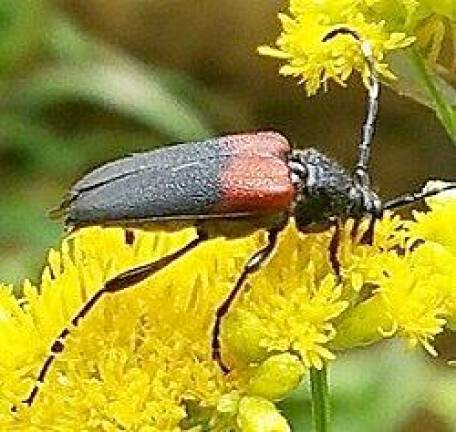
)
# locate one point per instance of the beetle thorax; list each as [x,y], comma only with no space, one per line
[325,191]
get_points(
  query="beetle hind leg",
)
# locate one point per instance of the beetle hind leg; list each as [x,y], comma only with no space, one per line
[121,282]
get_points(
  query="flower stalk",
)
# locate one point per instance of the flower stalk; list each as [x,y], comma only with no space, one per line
[320,399]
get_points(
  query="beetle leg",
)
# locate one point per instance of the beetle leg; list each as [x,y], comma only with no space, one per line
[368,236]
[355,228]
[253,264]
[118,283]
[334,245]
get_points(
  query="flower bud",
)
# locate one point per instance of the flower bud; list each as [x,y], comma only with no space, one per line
[228,403]
[362,325]
[242,335]
[276,377]
[259,415]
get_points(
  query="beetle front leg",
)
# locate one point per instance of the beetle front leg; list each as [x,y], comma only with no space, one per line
[368,236]
[355,228]
[253,264]
[334,246]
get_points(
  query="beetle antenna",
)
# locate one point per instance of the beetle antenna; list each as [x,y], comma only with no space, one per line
[411,198]
[373,93]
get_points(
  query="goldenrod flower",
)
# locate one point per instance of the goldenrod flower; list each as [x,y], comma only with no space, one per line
[437,231]
[434,226]
[388,25]
[293,301]
[414,294]
[141,359]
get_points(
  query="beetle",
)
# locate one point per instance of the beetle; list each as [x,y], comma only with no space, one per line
[228,186]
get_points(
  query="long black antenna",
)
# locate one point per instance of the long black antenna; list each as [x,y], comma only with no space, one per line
[373,92]
[413,197]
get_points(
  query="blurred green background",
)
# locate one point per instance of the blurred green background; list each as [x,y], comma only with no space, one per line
[82,82]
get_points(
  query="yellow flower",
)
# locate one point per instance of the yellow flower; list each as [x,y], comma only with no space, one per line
[276,376]
[436,229]
[137,357]
[292,300]
[388,25]
[414,291]
[434,226]
[141,359]
[413,297]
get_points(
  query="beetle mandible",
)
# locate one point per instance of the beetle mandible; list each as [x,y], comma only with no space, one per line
[256,179]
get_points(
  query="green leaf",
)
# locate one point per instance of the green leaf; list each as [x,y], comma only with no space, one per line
[21,32]
[40,149]
[417,81]
[122,88]
[90,71]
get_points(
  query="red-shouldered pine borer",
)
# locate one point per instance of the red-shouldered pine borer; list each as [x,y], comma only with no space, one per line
[255,178]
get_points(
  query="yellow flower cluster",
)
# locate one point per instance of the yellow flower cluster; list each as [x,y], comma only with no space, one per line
[141,361]
[415,283]
[388,25]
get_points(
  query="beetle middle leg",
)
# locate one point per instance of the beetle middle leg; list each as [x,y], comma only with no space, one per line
[121,282]
[253,264]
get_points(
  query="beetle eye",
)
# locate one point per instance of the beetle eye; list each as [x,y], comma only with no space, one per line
[298,170]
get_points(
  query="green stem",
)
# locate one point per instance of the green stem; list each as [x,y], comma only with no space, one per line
[320,399]
[442,108]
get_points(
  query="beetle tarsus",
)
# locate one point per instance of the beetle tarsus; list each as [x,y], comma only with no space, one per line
[217,357]
[29,401]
